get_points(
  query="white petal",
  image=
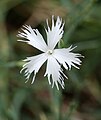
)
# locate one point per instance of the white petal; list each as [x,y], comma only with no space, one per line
[33,64]
[34,38]
[67,58]
[54,71]
[55,33]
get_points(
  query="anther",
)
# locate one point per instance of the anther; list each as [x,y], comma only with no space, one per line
[50,52]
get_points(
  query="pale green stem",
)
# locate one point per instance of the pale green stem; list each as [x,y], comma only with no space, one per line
[56,103]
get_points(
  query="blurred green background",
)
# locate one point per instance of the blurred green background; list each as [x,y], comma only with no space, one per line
[81,98]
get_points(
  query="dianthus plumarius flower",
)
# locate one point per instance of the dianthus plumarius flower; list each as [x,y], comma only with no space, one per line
[56,58]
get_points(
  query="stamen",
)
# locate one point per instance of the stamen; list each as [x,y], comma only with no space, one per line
[50,52]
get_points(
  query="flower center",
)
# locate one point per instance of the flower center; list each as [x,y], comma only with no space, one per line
[50,52]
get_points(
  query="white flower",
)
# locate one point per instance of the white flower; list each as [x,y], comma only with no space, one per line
[56,58]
